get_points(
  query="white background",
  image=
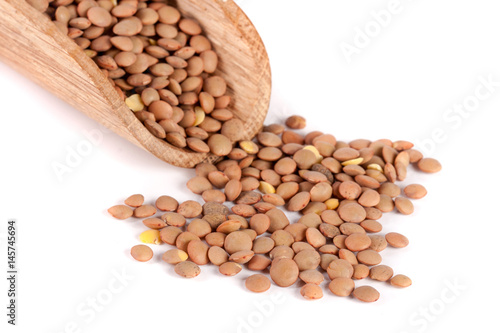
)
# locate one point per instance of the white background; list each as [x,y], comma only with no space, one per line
[400,85]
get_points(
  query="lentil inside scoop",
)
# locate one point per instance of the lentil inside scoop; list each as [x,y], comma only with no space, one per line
[159,63]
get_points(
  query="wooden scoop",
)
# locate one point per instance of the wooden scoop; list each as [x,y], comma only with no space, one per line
[32,45]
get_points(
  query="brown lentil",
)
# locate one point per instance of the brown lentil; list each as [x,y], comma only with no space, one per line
[357,242]
[385,204]
[144,211]
[169,234]
[278,220]
[301,246]
[213,195]
[389,189]
[199,184]
[215,239]
[415,191]
[281,251]
[349,228]
[237,241]
[341,286]
[141,252]
[183,239]
[340,268]
[174,256]
[241,257]
[361,271]
[189,209]
[187,269]
[315,238]
[307,259]
[429,165]
[230,268]
[284,271]
[331,217]
[328,230]
[369,257]
[352,212]
[135,200]
[219,145]
[121,212]
[329,248]
[381,273]
[401,281]
[371,226]
[296,122]
[378,243]
[310,220]
[326,259]
[366,294]
[217,255]
[198,252]
[395,239]
[199,227]
[257,283]
[403,205]
[259,263]
[373,213]
[311,276]
[339,241]
[311,291]
[282,237]
[345,154]
[299,201]
[348,256]
[154,223]
[297,230]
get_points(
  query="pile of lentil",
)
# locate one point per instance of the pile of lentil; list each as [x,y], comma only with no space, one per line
[159,62]
[340,189]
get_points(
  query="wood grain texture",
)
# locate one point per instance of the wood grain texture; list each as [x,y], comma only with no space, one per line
[31,44]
